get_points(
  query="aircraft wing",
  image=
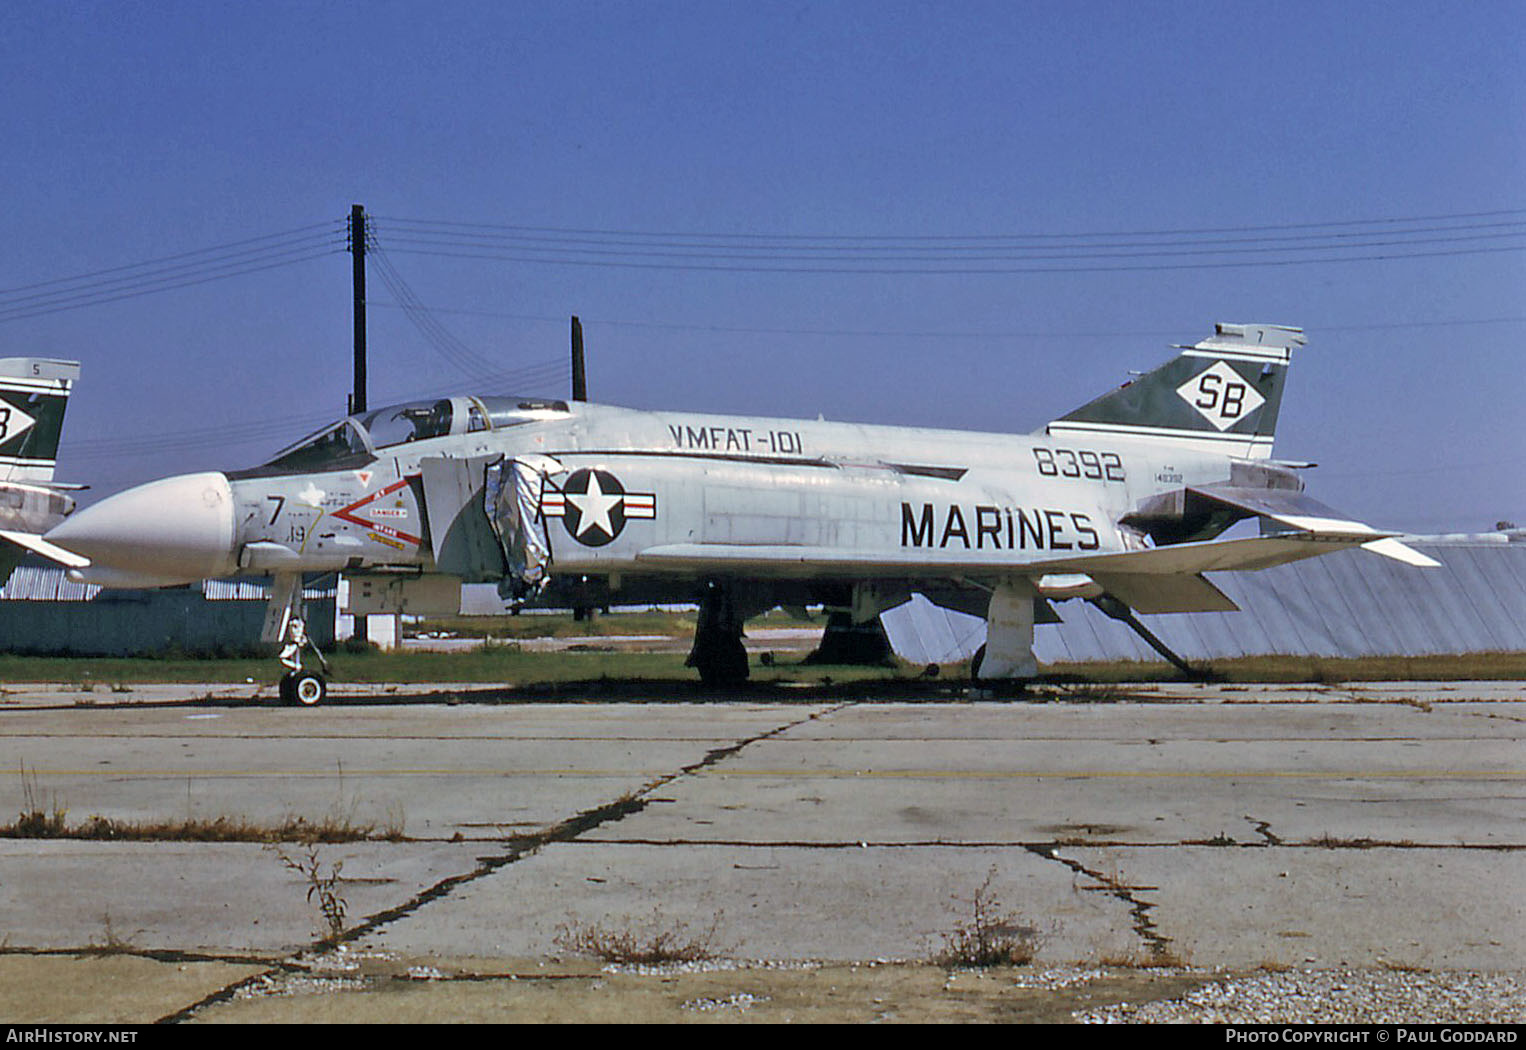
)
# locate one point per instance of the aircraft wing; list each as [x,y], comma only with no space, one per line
[780,560]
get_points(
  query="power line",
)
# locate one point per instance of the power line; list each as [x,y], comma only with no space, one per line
[98,298]
[952,269]
[185,269]
[567,230]
[1286,244]
[1410,237]
[463,357]
[149,283]
[1140,248]
[215,249]
[899,333]
[238,434]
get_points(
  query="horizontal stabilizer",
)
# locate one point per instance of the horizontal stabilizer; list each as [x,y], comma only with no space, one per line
[1299,511]
[37,545]
[1288,506]
[1391,548]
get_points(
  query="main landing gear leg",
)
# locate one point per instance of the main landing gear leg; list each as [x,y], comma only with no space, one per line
[284,623]
[718,654]
[846,642]
[1008,652]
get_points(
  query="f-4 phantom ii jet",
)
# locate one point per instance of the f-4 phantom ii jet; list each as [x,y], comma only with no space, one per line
[33,394]
[582,504]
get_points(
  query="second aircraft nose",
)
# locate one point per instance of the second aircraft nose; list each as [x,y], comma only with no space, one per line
[175,530]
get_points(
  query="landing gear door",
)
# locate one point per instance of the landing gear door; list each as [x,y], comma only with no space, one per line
[513,496]
[463,541]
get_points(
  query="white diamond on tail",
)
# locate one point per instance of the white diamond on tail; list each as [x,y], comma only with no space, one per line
[13,421]
[1220,395]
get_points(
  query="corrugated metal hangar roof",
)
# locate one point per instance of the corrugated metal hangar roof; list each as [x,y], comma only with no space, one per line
[1353,603]
[49,583]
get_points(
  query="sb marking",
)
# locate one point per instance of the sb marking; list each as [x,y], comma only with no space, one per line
[594,506]
[1220,395]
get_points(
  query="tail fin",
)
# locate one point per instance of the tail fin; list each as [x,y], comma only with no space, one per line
[1221,395]
[33,394]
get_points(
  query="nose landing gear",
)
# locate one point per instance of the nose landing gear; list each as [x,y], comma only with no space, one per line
[283,623]
[300,687]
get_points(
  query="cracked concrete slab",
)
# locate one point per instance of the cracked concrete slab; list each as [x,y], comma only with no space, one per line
[770,902]
[435,771]
[226,898]
[1126,773]
[1429,909]
[834,830]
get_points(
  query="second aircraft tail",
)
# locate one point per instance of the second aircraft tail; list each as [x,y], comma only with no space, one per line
[33,394]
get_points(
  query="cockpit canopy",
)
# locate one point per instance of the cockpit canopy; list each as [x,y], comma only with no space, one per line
[355,440]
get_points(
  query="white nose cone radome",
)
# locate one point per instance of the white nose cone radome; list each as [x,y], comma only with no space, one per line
[176,530]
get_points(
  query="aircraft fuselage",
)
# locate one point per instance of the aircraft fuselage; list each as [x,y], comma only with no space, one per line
[632,481]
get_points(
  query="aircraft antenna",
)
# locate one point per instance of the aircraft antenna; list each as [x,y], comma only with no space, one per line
[579,376]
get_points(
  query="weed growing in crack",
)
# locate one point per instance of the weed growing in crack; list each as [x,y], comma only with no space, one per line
[110,943]
[35,822]
[1328,841]
[1220,839]
[992,936]
[648,942]
[321,889]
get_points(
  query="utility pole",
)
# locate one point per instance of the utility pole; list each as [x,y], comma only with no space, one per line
[358,271]
[358,397]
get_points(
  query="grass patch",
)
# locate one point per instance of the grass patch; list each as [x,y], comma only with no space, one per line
[507,662]
[1158,958]
[1328,841]
[37,821]
[647,942]
[37,824]
[1320,671]
[499,664]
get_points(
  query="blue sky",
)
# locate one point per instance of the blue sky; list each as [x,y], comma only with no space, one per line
[135,132]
